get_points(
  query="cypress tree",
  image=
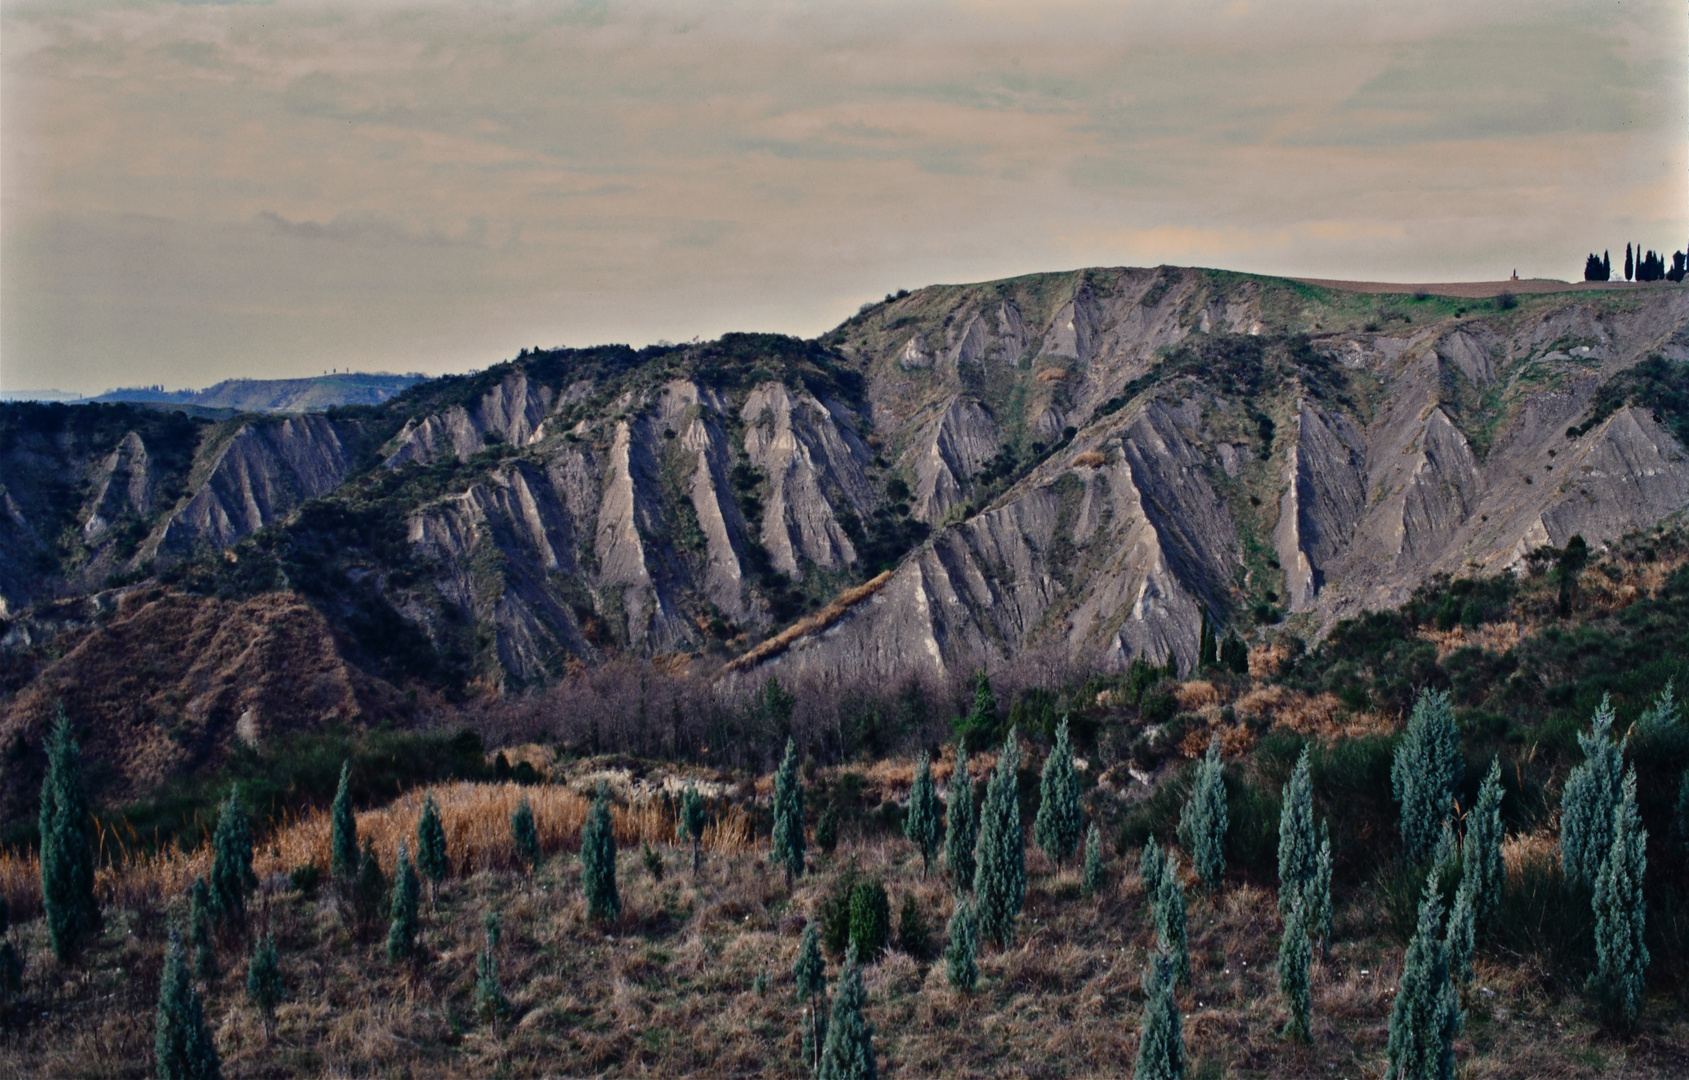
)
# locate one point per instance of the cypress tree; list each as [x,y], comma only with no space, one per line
[1317,899]
[1462,940]
[788,815]
[1093,880]
[1294,958]
[1425,773]
[264,986]
[199,930]
[1152,867]
[370,890]
[981,722]
[1202,825]
[231,863]
[961,823]
[1297,852]
[490,1001]
[1481,854]
[811,974]
[1161,1036]
[960,965]
[1234,654]
[401,933]
[598,861]
[431,847]
[692,819]
[1059,823]
[1621,912]
[1629,263]
[182,1046]
[67,861]
[848,1053]
[1606,266]
[870,919]
[827,830]
[1000,878]
[1171,918]
[1661,719]
[1426,1015]
[921,826]
[525,835]
[1586,804]
[343,838]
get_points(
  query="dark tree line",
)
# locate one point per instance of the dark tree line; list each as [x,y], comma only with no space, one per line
[1638,266]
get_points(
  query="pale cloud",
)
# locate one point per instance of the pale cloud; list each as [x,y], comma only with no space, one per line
[196,191]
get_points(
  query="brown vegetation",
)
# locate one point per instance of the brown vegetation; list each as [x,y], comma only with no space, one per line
[810,624]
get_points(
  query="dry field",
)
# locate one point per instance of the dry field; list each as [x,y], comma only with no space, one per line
[670,989]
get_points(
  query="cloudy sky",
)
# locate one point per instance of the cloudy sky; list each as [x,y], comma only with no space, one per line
[197,191]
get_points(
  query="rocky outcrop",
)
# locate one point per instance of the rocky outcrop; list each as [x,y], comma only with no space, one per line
[123,484]
[963,438]
[1324,499]
[816,465]
[262,472]
[512,412]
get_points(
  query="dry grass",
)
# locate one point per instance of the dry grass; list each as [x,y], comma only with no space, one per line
[1052,374]
[1498,638]
[1090,459]
[809,624]
[668,989]
[1318,715]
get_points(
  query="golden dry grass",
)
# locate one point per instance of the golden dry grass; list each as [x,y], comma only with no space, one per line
[809,624]
[1090,459]
[1499,638]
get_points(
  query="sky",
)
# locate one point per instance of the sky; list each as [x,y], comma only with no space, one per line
[198,191]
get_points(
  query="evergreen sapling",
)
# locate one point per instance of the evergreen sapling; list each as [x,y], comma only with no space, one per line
[1171,919]
[922,825]
[1203,824]
[1462,940]
[490,1001]
[1058,824]
[1094,870]
[788,841]
[431,847]
[1297,852]
[1317,899]
[67,860]
[1481,851]
[1295,956]
[182,1046]
[692,820]
[961,824]
[1425,1017]
[1621,912]
[343,835]
[264,986]
[1425,772]
[231,863]
[401,932]
[1161,1035]
[1152,866]
[598,861]
[811,974]
[848,1053]
[960,964]
[1588,799]
[199,930]
[1000,876]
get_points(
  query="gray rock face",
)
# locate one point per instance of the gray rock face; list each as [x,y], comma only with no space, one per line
[963,438]
[263,472]
[815,464]
[124,483]
[513,412]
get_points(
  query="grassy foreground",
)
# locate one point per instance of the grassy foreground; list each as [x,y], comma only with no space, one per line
[694,978]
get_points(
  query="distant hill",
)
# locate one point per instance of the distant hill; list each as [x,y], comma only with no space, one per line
[276,395]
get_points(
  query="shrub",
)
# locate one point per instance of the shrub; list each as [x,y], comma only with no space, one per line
[306,879]
[525,835]
[264,986]
[834,913]
[1094,870]
[199,930]
[870,920]
[827,829]
[980,725]
[67,861]
[914,934]
[1425,772]
[692,820]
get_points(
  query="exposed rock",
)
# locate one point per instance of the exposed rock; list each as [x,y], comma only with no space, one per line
[512,412]
[963,438]
[815,464]
[124,483]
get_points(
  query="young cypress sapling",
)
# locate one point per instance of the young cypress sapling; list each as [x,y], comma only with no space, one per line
[848,1053]
[1481,852]
[525,835]
[693,819]
[827,829]
[1297,852]
[980,724]
[264,986]
[1161,1035]
[811,974]
[1171,918]
[1059,822]
[1152,865]
[598,861]
[1588,799]
[914,936]
[401,932]
[67,860]
[1203,823]
[1294,958]
[1094,870]
[370,891]
[231,863]
[1462,940]
[960,963]
[1425,1017]
[961,824]
[199,930]
[1000,877]
[1317,900]
[182,1046]
[921,826]
[490,1001]
[788,841]
[1621,912]
[431,847]
[1425,771]
[870,919]
[343,837]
